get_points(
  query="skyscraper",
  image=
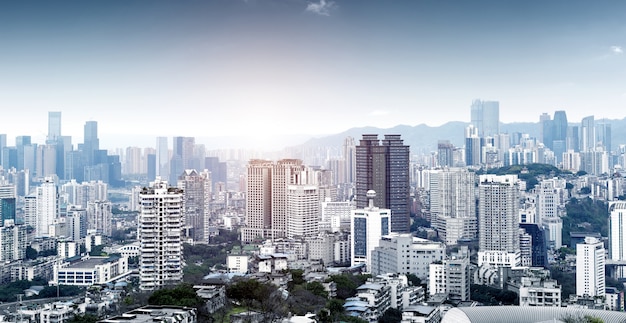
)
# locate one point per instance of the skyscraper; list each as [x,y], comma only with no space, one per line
[445,156]
[590,262]
[303,207]
[383,166]
[162,158]
[498,213]
[587,134]
[182,156]
[349,157]
[91,143]
[617,234]
[485,116]
[54,127]
[160,228]
[266,200]
[472,146]
[47,207]
[196,187]
[453,204]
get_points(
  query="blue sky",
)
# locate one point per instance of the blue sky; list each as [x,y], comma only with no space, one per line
[224,67]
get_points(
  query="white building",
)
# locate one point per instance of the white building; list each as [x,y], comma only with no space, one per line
[13,242]
[160,234]
[90,270]
[453,204]
[335,215]
[451,276]
[99,214]
[47,207]
[617,235]
[237,264]
[537,291]
[404,253]
[303,209]
[590,279]
[367,226]
[498,214]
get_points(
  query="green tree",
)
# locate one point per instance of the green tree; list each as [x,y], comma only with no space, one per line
[31,253]
[413,279]
[181,295]
[391,315]
[317,289]
[84,318]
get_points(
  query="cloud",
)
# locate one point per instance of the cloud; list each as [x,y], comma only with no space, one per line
[617,50]
[322,8]
[378,113]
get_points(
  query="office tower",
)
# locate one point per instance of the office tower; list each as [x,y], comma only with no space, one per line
[162,158]
[538,241]
[47,207]
[151,166]
[133,161]
[445,150]
[54,126]
[3,145]
[196,187]
[303,208]
[8,195]
[25,153]
[453,204]
[182,156]
[617,235]
[558,143]
[91,143]
[159,231]
[590,279]
[383,166]
[485,116]
[498,212]
[603,135]
[266,197]
[545,128]
[367,226]
[549,200]
[587,134]
[349,157]
[472,146]
[99,217]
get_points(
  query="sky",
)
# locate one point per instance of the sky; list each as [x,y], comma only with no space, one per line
[213,68]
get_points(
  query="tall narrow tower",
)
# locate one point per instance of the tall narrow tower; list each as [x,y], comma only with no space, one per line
[196,188]
[498,214]
[91,143]
[590,262]
[383,166]
[47,207]
[160,228]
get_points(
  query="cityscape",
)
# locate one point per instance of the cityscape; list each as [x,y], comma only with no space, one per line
[312,161]
[457,233]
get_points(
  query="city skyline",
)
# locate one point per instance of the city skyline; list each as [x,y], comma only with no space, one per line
[222,68]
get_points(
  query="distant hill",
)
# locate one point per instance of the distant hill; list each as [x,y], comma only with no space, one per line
[423,138]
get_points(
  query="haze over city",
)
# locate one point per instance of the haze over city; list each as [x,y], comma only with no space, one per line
[225,68]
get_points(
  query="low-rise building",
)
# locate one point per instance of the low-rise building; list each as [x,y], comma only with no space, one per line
[153,314]
[90,270]
[404,253]
[535,291]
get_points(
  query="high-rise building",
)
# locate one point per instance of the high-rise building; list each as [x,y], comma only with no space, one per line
[617,234]
[91,143]
[445,156]
[47,207]
[590,262]
[8,195]
[498,214]
[54,126]
[603,135]
[367,226]
[472,146]
[162,158]
[453,204]
[383,166]
[550,194]
[587,134]
[182,156]
[99,216]
[161,221]
[349,157]
[303,208]
[266,197]
[485,116]
[196,187]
